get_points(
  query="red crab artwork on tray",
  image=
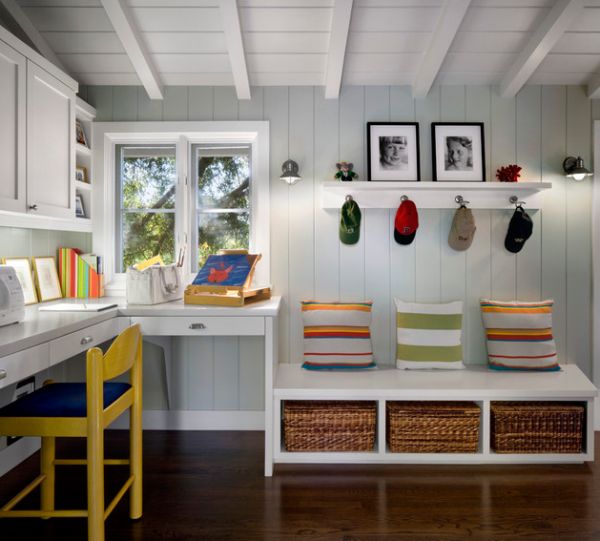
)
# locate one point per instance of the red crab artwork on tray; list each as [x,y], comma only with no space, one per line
[216,276]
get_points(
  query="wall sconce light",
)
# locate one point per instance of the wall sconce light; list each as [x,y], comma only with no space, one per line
[290,172]
[574,168]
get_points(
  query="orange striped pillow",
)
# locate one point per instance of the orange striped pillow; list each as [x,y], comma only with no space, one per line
[337,335]
[519,335]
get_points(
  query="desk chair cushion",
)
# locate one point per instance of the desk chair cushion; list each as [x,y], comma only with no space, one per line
[60,400]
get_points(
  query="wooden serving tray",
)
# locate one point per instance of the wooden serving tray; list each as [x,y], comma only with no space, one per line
[228,297]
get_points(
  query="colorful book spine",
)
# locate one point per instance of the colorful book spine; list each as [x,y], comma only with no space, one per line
[79,276]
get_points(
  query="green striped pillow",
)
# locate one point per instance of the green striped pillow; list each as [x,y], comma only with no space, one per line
[428,335]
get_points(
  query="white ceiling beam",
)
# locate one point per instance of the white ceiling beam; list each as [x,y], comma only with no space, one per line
[122,21]
[541,43]
[31,32]
[235,47]
[340,27]
[593,87]
[452,15]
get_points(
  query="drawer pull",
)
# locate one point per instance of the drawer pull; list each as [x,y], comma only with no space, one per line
[86,340]
[3,373]
[196,326]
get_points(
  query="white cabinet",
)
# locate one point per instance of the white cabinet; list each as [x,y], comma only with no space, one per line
[50,145]
[12,129]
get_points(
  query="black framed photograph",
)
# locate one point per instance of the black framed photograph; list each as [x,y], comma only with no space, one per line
[458,151]
[393,151]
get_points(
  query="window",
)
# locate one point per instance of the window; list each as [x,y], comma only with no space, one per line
[175,187]
[222,200]
[146,184]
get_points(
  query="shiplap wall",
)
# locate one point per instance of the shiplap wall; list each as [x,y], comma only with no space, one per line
[537,129]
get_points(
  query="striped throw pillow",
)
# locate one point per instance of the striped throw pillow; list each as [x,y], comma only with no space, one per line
[519,335]
[337,335]
[428,335]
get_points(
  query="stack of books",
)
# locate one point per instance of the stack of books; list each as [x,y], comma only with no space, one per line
[81,275]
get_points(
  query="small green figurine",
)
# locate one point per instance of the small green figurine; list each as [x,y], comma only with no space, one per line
[345,172]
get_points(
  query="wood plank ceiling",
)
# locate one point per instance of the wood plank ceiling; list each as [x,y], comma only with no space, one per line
[287,42]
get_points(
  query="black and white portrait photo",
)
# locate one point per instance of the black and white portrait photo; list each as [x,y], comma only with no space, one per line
[393,151]
[458,152]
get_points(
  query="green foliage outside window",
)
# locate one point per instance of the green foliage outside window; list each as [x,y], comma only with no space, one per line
[148,189]
[148,205]
[223,204]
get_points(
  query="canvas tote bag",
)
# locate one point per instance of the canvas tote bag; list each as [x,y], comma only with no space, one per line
[153,285]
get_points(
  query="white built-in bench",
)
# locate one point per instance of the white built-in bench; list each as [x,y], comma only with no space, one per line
[478,384]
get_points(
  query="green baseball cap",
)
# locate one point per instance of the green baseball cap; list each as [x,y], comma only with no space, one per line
[350,222]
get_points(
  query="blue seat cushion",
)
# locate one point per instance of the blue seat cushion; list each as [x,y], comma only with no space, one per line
[60,400]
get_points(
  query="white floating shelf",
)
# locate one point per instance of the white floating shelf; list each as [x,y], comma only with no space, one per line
[84,186]
[433,195]
[83,150]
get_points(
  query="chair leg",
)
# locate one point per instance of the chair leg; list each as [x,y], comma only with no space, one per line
[47,468]
[95,484]
[135,460]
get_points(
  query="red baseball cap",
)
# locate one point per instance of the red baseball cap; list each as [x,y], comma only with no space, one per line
[406,223]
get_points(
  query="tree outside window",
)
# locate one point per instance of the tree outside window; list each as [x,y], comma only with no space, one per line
[223,201]
[147,203]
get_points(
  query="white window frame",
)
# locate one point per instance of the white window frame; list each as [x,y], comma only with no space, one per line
[107,135]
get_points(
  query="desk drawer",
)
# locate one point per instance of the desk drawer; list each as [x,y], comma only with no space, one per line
[23,364]
[201,326]
[71,344]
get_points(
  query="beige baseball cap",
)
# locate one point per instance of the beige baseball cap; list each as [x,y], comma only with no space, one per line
[462,230]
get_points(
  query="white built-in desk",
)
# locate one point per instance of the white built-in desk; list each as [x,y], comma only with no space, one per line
[44,339]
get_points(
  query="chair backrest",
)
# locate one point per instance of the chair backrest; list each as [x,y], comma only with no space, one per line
[122,353]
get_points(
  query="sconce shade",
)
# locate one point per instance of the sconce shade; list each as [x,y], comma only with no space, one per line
[575,169]
[290,172]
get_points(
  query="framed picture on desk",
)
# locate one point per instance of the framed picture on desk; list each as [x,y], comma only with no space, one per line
[46,278]
[23,270]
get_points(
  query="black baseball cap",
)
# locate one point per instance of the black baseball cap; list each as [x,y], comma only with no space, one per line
[519,230]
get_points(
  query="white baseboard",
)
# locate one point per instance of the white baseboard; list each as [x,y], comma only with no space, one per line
[198,420]
[17,452]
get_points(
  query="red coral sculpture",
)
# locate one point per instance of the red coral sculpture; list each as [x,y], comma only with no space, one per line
[510,173]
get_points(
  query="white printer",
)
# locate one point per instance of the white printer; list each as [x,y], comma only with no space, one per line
[12,301]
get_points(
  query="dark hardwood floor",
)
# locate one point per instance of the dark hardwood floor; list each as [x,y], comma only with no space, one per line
[210,486]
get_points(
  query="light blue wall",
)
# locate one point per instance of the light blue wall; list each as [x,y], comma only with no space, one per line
[20,242]
[537,129]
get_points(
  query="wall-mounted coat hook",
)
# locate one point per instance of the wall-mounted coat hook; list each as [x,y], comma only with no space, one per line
[349,198]
[404,198]
[514,200]
[460,200]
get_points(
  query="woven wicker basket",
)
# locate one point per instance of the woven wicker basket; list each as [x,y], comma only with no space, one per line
[537,427]
[433,427]
[329,425]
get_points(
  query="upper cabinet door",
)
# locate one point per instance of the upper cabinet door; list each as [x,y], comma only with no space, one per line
[12,129]
[50,145]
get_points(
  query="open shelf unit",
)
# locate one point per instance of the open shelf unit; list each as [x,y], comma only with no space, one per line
[433,195]
[85,115]
[478,384]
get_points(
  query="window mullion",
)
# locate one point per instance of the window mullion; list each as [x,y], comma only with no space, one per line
[182,235]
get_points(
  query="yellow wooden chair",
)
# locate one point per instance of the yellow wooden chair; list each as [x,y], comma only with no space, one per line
[84,410]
